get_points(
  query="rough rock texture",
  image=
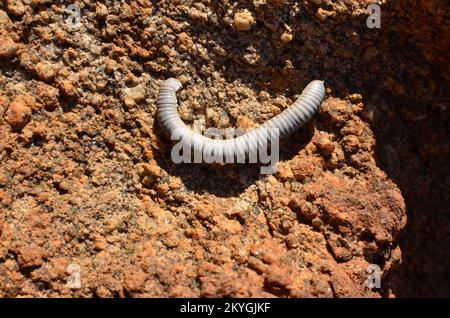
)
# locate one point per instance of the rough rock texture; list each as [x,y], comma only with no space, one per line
[86,180]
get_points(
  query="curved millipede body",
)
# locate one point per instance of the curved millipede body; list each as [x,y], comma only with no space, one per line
[287,122]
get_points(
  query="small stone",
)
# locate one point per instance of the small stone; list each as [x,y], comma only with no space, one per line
[185,41]
[162,189]
[285,225]
[333,161]
[64,186]
[8,47]
[110,65]
[134,280]
[46,71]
[66,88]
[99,244]
[18,115]
[134,95]
[109,137]
[211,115]
[263,96]
[286,37]
[324,14]
[101,10]
[5,21]
[244,20]
[113,223]
[285,172]
[291,241]
[351,143]
[30,256]
[47,95]
[15,7]
[354,98]
[245,123]
[280,102]
[317,223]
[148,181]
[325,146]
[58,266]
[96,99]
[149,173]
[102,292]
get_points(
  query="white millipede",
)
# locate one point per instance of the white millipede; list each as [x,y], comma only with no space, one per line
[287,122]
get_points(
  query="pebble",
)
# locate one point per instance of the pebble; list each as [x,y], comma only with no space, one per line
[102,292]
[285,172]
[185,41]
[351,143]
[18,115]
[324,14]
[263,96]
[47,95]
[354,98]
[30,256]
[66,88]
[286,37]
[8,47]
[5,21]
[325,146]
[99,244]
[134,95]
[101,10]
[46,71]
[64,186]
[15,7]
[245,123]
[149,173]
[317,223]
[244,20]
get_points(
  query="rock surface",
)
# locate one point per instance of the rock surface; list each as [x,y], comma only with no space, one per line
[91,204]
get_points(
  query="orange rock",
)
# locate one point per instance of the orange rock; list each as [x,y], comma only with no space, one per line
[185,41]
[303,168]
[245,123]
[30,256]
[46,70]
[18,115]
[5,21]
[47,96]
[8,47]
[244,20]
[286,37]
[99,244]
[66,88]
[102,292]
[15,7]
[325,146]
[135,280]
[285,172]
